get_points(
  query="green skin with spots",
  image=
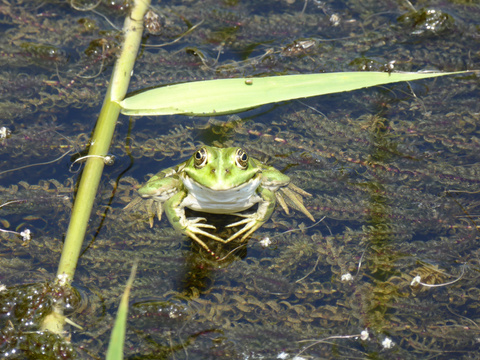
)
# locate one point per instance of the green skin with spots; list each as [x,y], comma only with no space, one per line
[219,181]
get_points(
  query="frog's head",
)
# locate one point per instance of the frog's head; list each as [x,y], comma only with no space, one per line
[221,169]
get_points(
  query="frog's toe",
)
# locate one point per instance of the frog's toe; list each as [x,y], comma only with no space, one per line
[198,241]
[197,223]
[251,231]
[240,222]
[293,193]
[153,208]
[205,226]
[251,222]
[150,220]
[159,210]
[246,231]
[195,230]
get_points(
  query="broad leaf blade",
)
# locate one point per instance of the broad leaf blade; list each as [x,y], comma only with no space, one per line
[224,96]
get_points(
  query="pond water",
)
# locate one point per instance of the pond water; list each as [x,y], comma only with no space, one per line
[390,268]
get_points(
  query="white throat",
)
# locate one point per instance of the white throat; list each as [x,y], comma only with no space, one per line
[201,198]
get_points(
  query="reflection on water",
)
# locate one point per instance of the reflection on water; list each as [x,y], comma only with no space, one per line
[395,172]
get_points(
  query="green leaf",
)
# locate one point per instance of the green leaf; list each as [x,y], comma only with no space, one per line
[117,339]
[225,96]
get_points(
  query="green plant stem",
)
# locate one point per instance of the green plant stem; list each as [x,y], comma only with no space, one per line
[100,144]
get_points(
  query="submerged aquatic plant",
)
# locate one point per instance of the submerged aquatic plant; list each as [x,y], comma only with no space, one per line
[394,171]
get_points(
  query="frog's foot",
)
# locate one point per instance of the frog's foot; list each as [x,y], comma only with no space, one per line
[151,206]
[251,222]
[293,193]
[194,227]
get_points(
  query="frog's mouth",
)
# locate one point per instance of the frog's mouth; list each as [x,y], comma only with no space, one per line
[238,198]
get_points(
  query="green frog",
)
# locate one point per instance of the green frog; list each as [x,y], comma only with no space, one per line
[219,181]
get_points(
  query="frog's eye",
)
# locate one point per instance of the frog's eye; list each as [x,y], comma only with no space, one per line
[200,158]
[241,159]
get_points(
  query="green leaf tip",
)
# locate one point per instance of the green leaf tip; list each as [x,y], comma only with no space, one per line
[226,96]
[117,338]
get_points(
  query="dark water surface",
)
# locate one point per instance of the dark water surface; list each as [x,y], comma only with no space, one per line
[394,172]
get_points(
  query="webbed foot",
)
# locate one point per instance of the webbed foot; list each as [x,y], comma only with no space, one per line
[293,193]
[252,223]
[194,227]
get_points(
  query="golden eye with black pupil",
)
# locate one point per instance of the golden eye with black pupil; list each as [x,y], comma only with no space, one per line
[200,158]
[241,159]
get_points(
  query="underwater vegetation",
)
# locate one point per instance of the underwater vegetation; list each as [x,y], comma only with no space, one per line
[392,268]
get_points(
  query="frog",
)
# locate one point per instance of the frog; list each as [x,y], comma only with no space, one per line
[219,180]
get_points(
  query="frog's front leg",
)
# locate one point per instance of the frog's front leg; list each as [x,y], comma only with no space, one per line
[175,211]
[253,221]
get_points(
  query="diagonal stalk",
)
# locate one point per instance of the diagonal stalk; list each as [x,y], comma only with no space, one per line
[100,144]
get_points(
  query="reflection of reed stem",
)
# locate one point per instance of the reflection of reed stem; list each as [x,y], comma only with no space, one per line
[100,143]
